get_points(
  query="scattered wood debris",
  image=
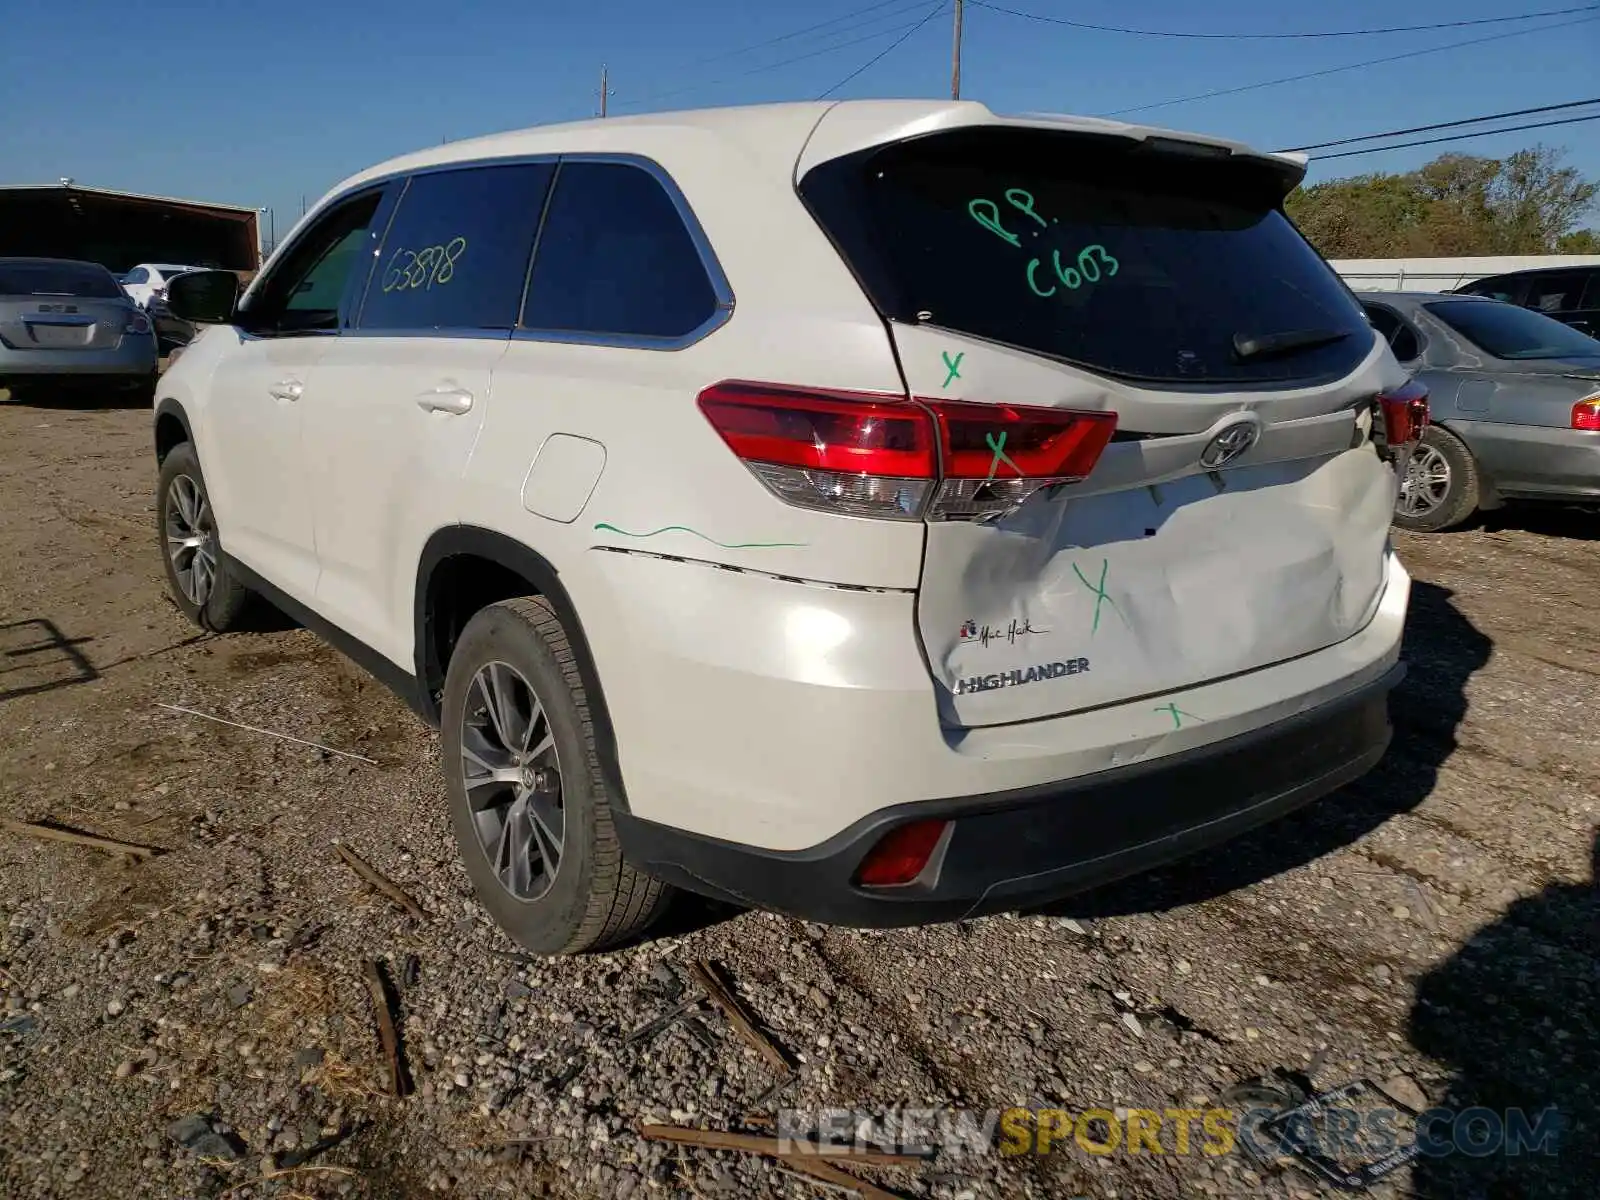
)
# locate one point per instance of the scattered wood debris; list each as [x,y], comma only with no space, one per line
[653,1029]
[816,1159]
[743,1024]
[832,1176]
[772,1147]
[379,881]
[60,833]
[388,1032]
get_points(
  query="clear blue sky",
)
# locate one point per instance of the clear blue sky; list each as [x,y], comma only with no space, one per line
[260,104]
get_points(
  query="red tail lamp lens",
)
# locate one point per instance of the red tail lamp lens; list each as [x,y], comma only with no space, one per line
[1586,414]
[823,430]
[1405,413]
[1008,441]
[901,854]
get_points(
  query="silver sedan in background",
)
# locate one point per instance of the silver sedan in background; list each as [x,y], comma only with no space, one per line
[66,323]
[1515,405]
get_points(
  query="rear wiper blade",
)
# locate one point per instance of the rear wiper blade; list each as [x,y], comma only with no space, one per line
[1263,345]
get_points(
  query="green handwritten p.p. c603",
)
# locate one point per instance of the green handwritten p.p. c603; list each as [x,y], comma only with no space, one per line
[1094,261]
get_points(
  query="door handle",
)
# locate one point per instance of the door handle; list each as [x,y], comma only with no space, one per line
[454,401]
[286,389]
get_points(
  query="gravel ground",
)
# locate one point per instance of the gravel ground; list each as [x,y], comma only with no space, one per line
[196,1024]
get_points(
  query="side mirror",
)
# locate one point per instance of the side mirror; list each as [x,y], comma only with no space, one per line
[204,297]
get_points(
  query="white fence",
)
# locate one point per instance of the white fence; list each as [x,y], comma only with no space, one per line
[1444,274]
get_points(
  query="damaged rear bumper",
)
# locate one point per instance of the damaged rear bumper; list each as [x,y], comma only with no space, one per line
[1016,849]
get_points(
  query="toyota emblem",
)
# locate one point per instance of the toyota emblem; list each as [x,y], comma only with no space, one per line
[1229,444]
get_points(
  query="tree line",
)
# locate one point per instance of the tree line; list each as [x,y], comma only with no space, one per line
[1458,204]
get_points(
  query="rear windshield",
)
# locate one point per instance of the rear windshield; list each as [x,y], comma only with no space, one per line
[1507,331]
[57,279]
[1130,259]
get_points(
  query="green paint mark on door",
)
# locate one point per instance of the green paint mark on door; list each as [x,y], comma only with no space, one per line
[952,365]
[602,526]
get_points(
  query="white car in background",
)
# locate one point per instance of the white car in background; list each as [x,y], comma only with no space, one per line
[880,512]
[150,279]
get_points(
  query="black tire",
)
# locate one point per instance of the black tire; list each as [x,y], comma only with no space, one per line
[1458,500]
[592,899]
[220,604]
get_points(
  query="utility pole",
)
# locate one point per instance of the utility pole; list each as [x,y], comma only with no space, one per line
[955,57]
[605,92]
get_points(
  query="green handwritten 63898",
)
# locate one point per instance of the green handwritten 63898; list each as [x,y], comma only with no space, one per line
[1093,263]
[409,269]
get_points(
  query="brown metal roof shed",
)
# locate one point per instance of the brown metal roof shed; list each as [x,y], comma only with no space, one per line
[121,229]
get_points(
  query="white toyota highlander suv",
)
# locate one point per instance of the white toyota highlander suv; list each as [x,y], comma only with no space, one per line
[880,512]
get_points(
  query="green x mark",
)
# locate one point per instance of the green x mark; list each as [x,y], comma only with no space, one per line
[951,365]
[1177,714]
[1000,456]
[1100,593]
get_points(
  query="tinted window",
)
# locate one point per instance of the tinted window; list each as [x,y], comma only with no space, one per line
[1128,258]
[456,254]
[616,258]
[1509,332]
[58,279]
[1591,292]
[323,285]
[137,275]
[307,285]
[1507,289]
[1555,293]
[1400,336]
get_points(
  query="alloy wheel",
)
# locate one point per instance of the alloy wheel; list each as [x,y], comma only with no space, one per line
[191,539]
[1427,482]
[512,776]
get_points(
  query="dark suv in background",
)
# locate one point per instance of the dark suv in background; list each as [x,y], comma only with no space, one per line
[1570,294]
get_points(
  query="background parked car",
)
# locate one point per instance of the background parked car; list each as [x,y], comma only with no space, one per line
[1515,400]
[64,322]
[150,279]
[1570,294]
[170,330]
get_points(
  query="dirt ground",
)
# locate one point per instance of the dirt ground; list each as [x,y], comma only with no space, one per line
[196,1024]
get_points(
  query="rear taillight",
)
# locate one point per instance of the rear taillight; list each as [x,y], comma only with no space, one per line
[138,323]
[901,855]
[1586,414]
[1405,414]
[873,455]
[994,456]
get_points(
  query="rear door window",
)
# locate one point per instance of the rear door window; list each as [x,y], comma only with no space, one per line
[85,280]
[615,259]
[1508,288]
[1402,339]
[456,253]
[1506,331]
[1556,293]
[1138,260]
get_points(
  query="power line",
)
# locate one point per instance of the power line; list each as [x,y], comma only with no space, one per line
[908,29]
[1373,137]
[884,53]
[1458,137]
[1331,33]
[847,19]
[1370,62]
